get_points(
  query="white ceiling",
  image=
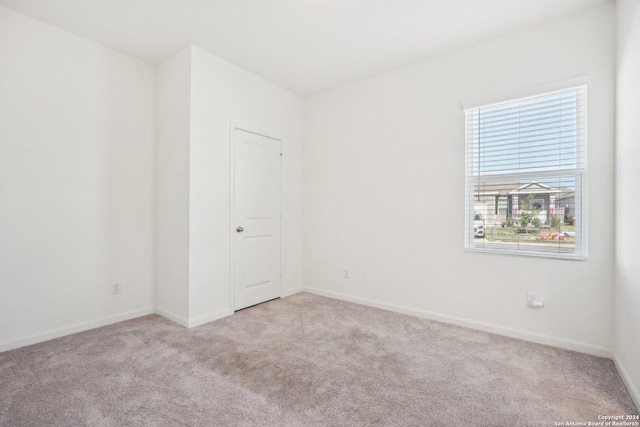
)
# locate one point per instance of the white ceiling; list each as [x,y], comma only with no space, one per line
[306,46]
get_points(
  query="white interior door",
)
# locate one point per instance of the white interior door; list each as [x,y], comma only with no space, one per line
[258,218]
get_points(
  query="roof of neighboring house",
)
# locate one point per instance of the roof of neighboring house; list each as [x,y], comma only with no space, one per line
[507,188]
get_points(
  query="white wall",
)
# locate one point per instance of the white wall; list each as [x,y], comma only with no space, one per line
[222,93]
[199,97]
[88,199]
[384,190]
[172,187]
[76,182]
[627,268]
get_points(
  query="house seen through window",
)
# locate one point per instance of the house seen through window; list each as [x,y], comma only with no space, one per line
[526,175]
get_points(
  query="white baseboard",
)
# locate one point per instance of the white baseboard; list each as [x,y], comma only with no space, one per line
[172,316]
[194,322]
[633,391]
[209,318]
[73,329]
[473,324]
[292,292]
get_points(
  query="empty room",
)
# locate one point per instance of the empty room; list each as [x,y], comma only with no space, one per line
[319,213]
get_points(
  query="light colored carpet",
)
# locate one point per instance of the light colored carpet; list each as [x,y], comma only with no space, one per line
[303,360]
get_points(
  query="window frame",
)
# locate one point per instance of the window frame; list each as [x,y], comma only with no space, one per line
[579,174]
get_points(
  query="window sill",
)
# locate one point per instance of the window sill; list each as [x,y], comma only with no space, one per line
[530,254]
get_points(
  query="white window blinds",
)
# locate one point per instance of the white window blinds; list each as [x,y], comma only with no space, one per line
[525,175]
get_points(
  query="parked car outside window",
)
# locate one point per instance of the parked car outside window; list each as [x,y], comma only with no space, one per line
[478,225]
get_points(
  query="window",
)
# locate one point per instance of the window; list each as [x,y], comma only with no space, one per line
[526,175]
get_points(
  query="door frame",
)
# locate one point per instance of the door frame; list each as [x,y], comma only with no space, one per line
[232,200]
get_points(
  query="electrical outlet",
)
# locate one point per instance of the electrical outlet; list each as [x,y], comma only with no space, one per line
[534,301]
[345,274]
[116,288]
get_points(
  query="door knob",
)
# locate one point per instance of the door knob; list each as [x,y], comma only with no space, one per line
[240,229]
